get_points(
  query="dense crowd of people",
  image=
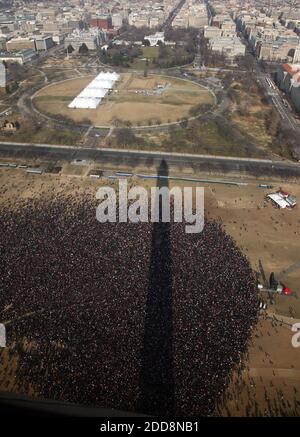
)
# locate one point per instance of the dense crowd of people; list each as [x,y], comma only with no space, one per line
[117,315]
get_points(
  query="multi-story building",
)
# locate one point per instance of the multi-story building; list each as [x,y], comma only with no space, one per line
[228,25]
[231,47]
[47,13]
[288,79]
[58,38]
[16,44]
[154,39]
[28,26]
[101,22]
[43,43]
[279,50]
[212,32]
[148,14]
[21,57]
[296,59]
[154,22]
[268,38]
[2,44]
[192,14]
[92,38]
[218,20]
[50,26]
[117,20]
[198,21]
[138,20]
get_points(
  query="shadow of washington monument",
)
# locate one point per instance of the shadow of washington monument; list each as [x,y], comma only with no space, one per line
[156,378]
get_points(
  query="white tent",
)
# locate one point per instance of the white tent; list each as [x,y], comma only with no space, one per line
[278,200]
[115,76]
[85,103]
[90,97]
[101,83]
[108,76]
[93,92]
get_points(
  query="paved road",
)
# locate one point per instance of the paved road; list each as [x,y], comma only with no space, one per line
[264,80]
[168,23]
[274,94]
[132,159]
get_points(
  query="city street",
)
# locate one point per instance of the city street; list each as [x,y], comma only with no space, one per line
[129,158]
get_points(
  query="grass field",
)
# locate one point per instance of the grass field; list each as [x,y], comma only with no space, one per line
[136,98]
[149,53]
[248,111]
[40,134]
[200,137]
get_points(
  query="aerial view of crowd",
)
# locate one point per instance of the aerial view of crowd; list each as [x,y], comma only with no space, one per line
[139,317]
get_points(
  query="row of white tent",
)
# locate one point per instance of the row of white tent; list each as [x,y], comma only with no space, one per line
[94,92]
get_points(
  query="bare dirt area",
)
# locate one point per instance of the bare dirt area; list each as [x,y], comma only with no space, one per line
[67,88]
[262,231]
[268,382]
[75,170]
[140,100]
[66,62]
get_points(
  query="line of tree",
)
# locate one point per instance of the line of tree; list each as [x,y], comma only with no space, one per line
[70,49]
[208,57]
[83,49]
[172,57]
[121,56]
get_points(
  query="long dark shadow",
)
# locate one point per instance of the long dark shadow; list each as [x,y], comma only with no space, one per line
[156,378]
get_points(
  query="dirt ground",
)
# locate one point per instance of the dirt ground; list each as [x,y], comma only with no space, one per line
[132,100]
[69,88]
[264,232]
[268,382]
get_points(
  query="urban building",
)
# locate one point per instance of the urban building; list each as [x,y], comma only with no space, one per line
[117,20]
[192,14]
[270,38]
[282,49]
[43,43]
[288,80]
[21,57]
[231,47]
[101,22]
[92,38]
[16,44]
[212,32]
[156,38]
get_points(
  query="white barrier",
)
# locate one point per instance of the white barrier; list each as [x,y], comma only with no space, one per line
[2,335]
